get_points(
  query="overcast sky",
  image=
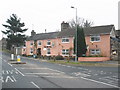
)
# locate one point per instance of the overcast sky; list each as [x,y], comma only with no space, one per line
[48,14]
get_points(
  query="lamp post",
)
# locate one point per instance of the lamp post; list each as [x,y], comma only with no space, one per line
[76,35]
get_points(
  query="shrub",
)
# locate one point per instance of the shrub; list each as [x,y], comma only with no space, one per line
[59,57]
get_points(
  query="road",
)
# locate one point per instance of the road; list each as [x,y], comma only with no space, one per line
[41,74]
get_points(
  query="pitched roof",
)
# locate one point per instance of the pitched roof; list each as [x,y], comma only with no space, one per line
[43,36]
[118,32]
[106,29]
[88,31]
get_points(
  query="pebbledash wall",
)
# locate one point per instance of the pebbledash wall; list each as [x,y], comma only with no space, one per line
[63,42]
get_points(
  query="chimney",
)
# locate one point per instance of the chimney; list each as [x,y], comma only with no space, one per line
[33,33]
[45,30]
[64,26]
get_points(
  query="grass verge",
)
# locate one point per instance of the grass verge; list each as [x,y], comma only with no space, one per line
[83,63]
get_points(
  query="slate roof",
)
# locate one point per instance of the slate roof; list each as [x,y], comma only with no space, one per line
[106,29]
[88,31]
[43,36]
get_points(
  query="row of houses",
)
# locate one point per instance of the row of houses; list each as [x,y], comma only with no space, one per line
[99,40]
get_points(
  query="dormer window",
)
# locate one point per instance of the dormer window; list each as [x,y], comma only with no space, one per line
[95,38]
[65,40]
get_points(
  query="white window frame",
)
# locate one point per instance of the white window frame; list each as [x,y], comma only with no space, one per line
[96,51]
[64,40]
[39,43]
[66,52]
[31,50]
[95,37]
[48,51]
[31,43]
[48,42]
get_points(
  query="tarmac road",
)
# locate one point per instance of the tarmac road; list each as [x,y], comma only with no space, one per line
[41,74]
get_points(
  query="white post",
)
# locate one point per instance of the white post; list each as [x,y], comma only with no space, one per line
[12,56]
[16,50]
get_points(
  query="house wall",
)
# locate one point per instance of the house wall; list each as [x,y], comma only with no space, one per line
[57,46]
[28,46]
[103,45]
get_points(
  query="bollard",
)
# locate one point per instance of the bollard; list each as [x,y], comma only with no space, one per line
[18,58]
[12,56]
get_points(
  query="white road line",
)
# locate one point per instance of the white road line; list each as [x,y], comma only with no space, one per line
[7,72]
[9,78]
[45,68]
[35,85]
[33,68]
[68,66]
[64,65]
[14,78]
[73,67]
[45,73]
[56,70]
[31,75]
[61,77]
[19,72]
[99,82]
[112,78]
[10,64]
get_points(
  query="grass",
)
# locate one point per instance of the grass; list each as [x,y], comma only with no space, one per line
[5,50]
[82,63]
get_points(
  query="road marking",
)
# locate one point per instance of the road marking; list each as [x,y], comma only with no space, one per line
[79,74]
[14,78]
[7,72]
[61,77]
[33,68]
[68,66]
[45,73]
[99,82]
[19,72]
[35,85]
[45,68]
[73,67]
[56,70]
[10,64]
[64,65]
[110,78]
[31,75]
[9,78]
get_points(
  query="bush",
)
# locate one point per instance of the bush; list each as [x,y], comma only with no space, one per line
[24,55]
[59,57]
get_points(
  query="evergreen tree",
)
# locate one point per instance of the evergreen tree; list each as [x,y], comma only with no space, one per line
[81,44]
[14,30]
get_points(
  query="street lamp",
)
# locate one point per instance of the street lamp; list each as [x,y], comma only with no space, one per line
[76,35]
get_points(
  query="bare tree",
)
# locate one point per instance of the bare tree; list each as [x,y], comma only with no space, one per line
[80,22]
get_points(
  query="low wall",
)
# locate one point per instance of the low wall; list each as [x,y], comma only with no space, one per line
[93,58]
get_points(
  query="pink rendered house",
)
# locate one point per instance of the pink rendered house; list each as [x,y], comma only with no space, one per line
[98,40]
